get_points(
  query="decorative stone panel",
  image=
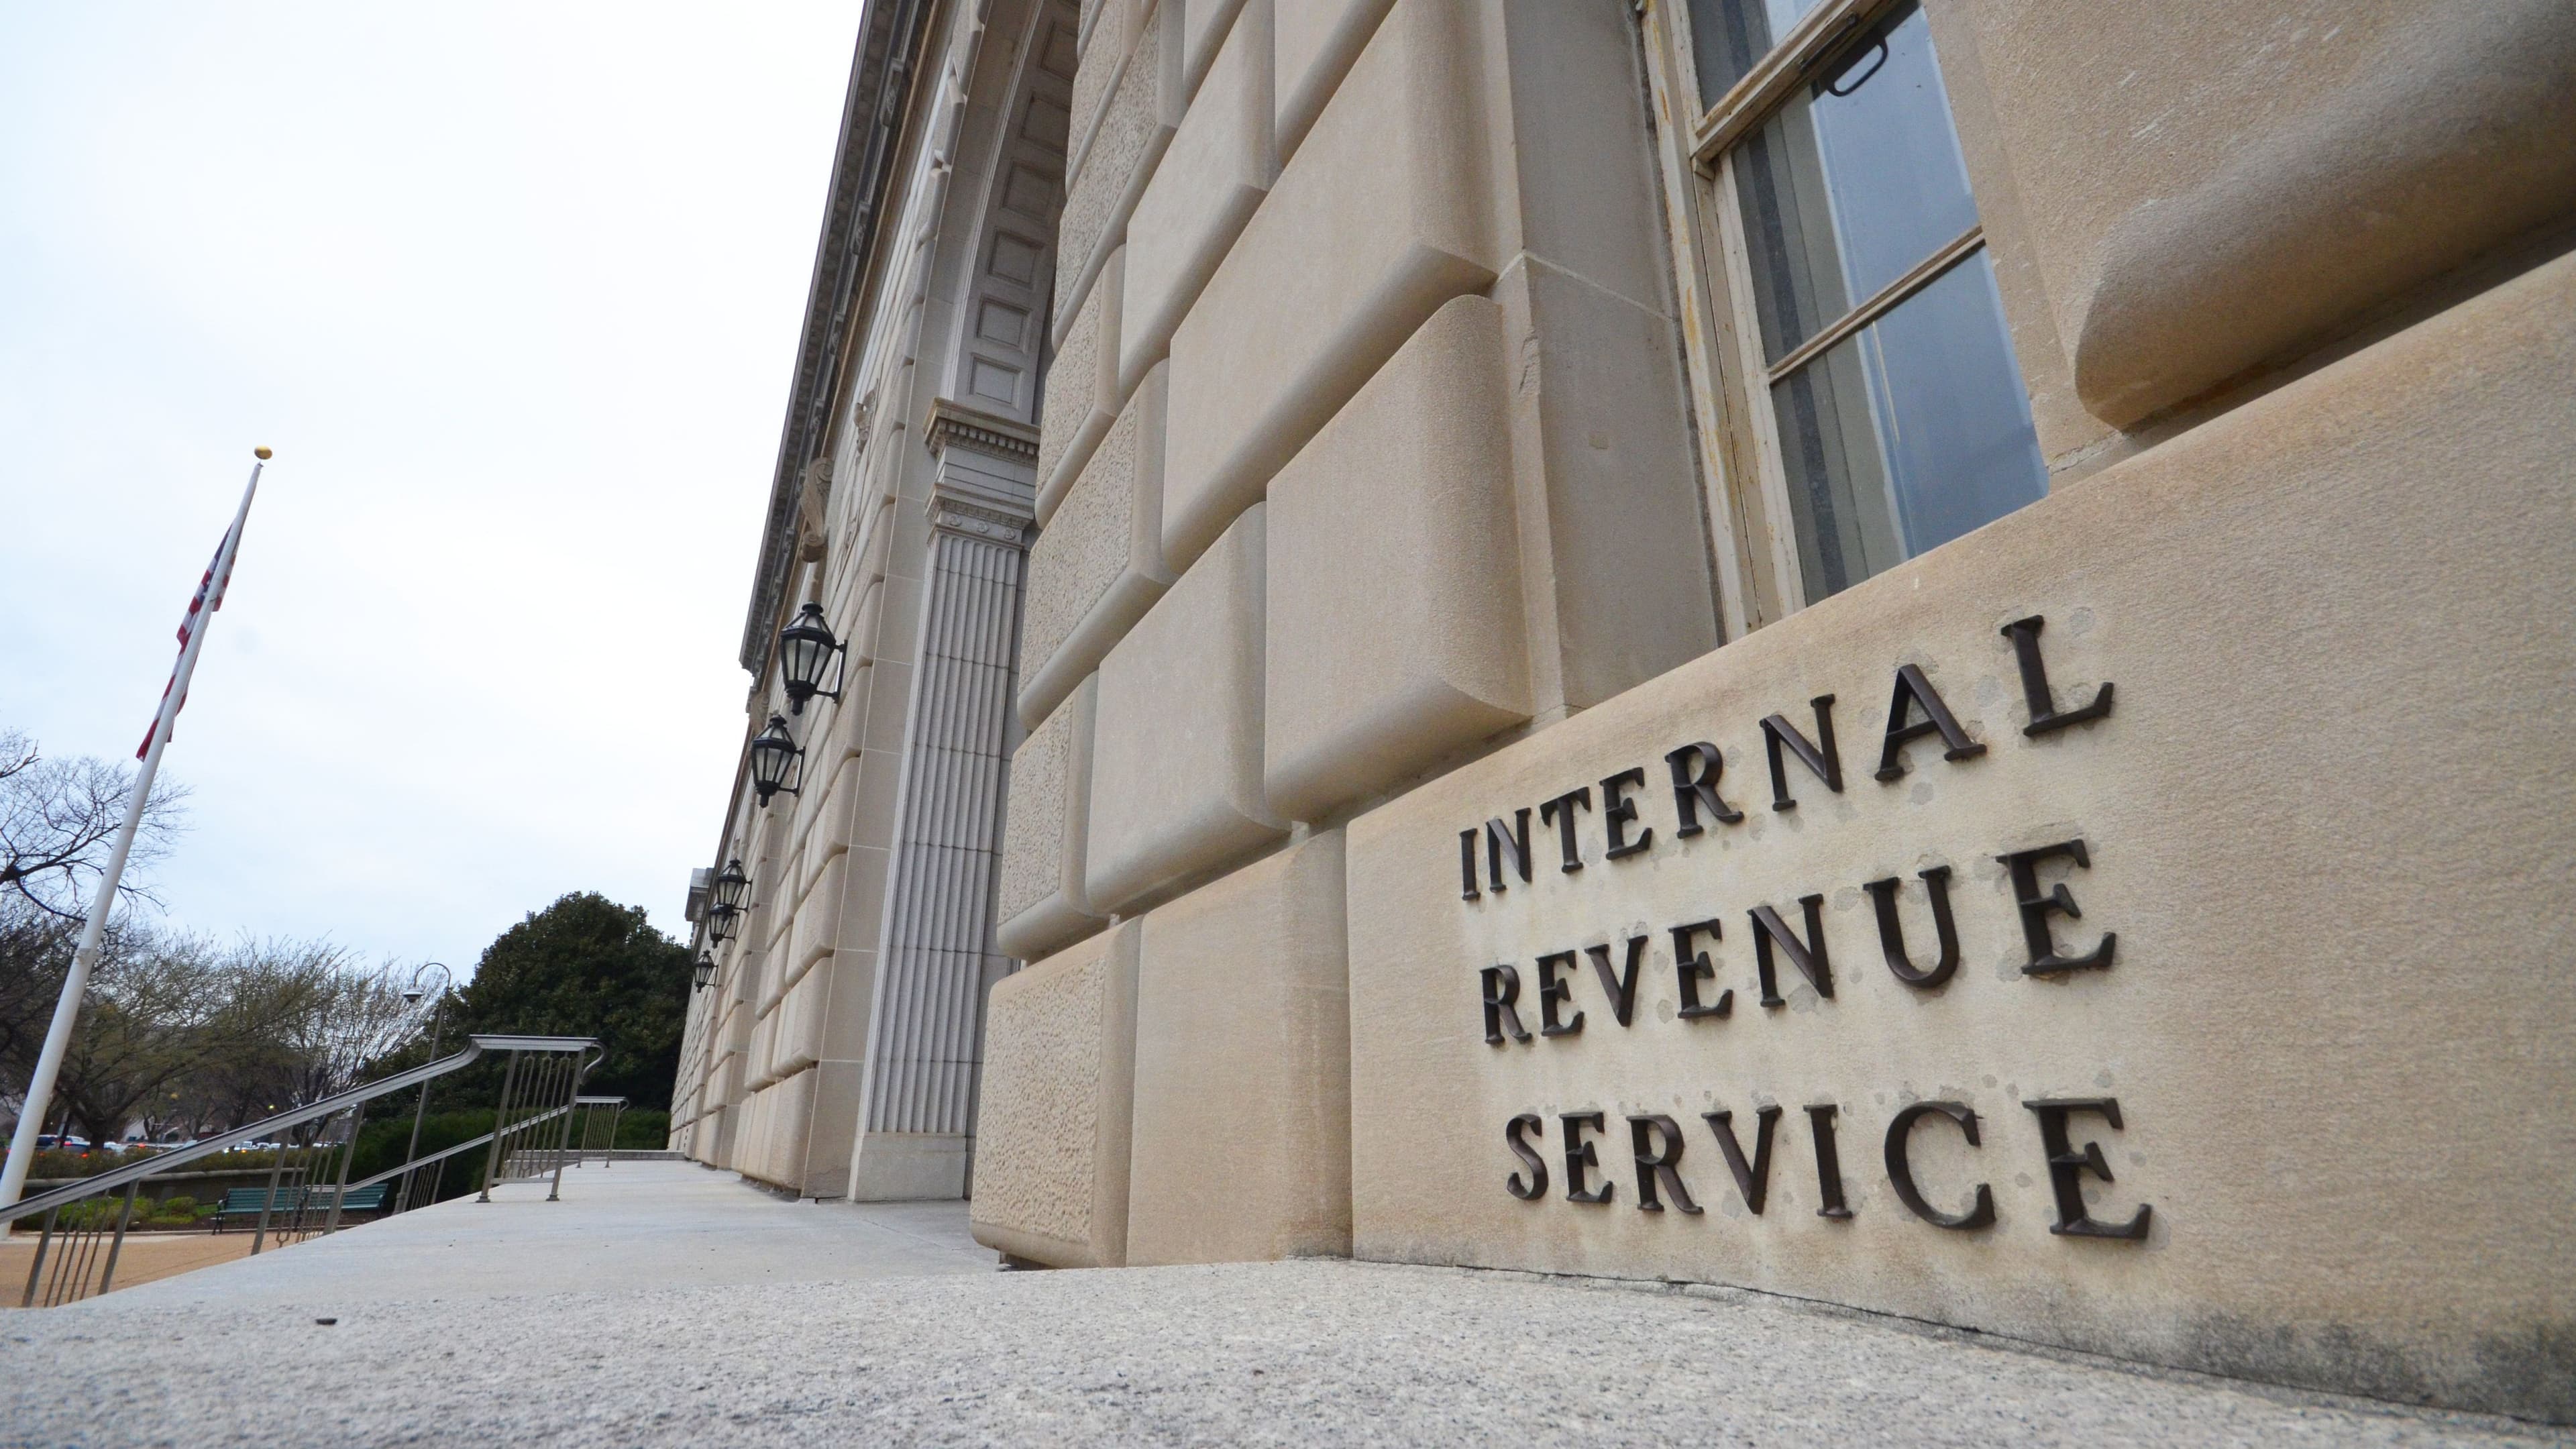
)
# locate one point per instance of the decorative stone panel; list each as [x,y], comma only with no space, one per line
[1099,564]
[1242,1133]
[1051,1143]
[1176,754]
[1394,629]
[1377,222]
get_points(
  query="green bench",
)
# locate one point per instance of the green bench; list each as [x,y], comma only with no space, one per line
[244,1204]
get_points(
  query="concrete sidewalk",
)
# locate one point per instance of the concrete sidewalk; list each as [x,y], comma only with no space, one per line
[680,1307]
[636,1225]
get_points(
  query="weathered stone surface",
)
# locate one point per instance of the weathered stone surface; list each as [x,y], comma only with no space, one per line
[1039,898]
[1596,437]
[1176,763]
[1379,220]
[1394,634]
[2326,1026]
[1243,1068]
[1215,172]
[1107,31]
[1318,40]
[1144,105]
[1059,1079]
[1081,392]
[1099,564]
[2308,159]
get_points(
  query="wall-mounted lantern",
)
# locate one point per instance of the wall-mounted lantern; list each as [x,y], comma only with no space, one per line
[730,886]
[704,971]
[806,648]
[774,753]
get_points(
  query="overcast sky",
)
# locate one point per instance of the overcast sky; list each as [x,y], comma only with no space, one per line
[514,291]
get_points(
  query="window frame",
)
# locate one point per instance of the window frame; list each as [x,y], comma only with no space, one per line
[1760,577]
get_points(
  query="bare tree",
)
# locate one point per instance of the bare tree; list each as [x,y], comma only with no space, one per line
[58,819]
[178,1029]
[155,1007]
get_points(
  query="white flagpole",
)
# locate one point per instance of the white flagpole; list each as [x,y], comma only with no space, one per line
[58,1037]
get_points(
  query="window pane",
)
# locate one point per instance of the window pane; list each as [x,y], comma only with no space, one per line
[1728,36]
[1853,183]
[1908,433]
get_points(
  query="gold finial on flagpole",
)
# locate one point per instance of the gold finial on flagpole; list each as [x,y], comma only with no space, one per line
[261,454]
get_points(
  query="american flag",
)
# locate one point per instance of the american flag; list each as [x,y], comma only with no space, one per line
[209,597]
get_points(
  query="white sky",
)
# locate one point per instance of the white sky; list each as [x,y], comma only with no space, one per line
[514,291]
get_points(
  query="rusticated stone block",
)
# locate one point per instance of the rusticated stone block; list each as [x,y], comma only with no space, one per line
[2311,159]
[1144,105]
[1211,178]
[1039,897]
[1394,630]
[1318,40]
[1176,763]
[1052,1129]
[1242,1134]
[1099,564]
[1379,220]
[1204,26]
[1081,392]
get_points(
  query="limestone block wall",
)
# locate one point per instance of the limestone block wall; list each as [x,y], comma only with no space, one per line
[1051,1180]
[2294,1120]
[1351,502]
[1176,747]
[1386,571]
[1244,1154]
[1099,564]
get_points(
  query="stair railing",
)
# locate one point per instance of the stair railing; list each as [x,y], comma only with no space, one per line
[82,1246]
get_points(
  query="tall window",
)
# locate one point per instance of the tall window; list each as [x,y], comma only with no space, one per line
[1860,339]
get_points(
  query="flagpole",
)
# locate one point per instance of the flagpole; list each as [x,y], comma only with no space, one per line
[58,1037]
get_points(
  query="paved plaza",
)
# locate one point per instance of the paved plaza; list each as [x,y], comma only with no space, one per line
[665,1304]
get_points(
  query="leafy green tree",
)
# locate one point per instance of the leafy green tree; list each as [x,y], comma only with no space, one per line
[587,966]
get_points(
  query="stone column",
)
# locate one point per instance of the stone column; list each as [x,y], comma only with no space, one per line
[917,1114]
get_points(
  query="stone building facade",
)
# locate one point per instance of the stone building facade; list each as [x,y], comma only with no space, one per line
[1896,652]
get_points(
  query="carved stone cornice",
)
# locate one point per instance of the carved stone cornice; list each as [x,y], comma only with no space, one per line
[986,486]
[953,424]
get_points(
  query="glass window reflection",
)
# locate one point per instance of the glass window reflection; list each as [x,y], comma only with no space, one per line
[1852,184]
[1907,434]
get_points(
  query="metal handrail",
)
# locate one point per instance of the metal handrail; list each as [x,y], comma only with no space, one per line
[443,1153]
[267,1127]
[263,1129]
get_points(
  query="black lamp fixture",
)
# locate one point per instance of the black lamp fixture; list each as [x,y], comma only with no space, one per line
[774,753]
[704,971]
[720,926]
[729,887]
[805,649]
